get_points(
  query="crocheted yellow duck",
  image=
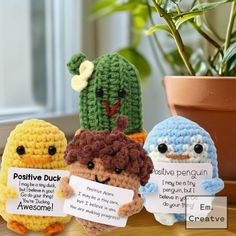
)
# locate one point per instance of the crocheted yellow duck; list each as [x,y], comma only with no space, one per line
[33,144]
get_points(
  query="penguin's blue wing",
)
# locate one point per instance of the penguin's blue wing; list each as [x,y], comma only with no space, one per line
[180,217]
[148,188]
[212,186]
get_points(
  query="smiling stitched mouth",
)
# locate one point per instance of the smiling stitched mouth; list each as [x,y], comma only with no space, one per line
[111,112]
[102,182]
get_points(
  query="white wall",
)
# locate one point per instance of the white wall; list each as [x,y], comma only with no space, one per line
[15,54]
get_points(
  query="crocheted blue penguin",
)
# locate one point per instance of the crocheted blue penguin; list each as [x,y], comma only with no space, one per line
[174,138]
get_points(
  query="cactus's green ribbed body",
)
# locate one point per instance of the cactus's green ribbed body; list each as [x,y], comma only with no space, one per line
[118,82]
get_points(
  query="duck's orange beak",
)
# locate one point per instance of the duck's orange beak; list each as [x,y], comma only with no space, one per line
[36,160]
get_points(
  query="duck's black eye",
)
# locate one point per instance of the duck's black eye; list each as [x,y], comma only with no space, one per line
[162,148]
[198,148]
[99,93]
[90,165]
[52,150]
[118,170]
[20,150]
[121,93]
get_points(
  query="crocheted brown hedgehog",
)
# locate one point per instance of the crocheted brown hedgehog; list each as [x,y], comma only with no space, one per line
[108,158]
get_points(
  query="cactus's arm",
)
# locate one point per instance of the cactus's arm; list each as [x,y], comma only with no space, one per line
[212,186]
[75,62]
[66,191]
[7,193]
[131,208]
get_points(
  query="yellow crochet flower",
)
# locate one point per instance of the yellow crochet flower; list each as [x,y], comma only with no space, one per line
[33,144]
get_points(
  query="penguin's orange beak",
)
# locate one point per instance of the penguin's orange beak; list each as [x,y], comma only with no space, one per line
[178,157]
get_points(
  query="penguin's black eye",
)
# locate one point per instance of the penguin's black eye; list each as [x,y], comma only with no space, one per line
[90,165]
[52,150]
[20,150]
[162,148]
[121,93]
[99,93]
[198,148]
[118,171]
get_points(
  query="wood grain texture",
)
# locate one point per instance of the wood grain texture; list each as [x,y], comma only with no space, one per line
[141,225]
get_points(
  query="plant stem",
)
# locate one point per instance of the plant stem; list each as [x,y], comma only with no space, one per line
[158,43]
[177,7]
[230,25]
[207,37]
[214,57]
[177,37]
[211,29]
[228,34]
[193,3]
[155,54]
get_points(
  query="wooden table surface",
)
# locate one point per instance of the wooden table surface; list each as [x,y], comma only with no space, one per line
[141,225]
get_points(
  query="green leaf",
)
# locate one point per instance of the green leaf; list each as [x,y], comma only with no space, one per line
[230,53]
[209,5]
[198,21]
[138,60]
[233,37]
[199,62]
[154,28]
[173,57]
[187,17]
[101,11]
[101,5]
[232,65]
[140,16]
[229,62]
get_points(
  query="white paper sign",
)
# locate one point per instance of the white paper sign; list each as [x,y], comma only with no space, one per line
[36,192]
[97,202]
[175,181]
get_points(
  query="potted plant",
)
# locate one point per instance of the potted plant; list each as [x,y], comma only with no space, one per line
[203,88]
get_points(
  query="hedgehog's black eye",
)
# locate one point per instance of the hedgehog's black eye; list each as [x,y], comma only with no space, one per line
[90,165]
[52,150]
[198,148]
[121,93]
[118,170]
[99,93]
[162,148]
[20,150]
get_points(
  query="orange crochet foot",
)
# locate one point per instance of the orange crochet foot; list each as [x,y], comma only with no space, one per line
[139,137]
[54,229]
[17,227]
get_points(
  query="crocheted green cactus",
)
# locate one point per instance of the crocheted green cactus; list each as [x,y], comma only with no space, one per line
[109,86]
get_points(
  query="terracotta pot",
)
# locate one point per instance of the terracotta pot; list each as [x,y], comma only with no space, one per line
[211,102]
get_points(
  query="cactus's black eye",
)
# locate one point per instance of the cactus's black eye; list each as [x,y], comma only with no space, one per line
[121,93]
[90,165]
[162,148]
[20,150]
[118,171]
[52,150]
[99,93]
[198,148]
